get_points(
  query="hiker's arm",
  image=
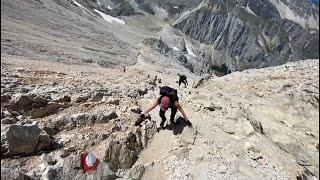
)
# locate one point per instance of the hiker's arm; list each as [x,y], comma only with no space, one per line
[179,107]
[155,104]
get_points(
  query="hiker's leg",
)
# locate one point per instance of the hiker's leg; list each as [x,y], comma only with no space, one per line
[180,82]
[173,114]
[163,117]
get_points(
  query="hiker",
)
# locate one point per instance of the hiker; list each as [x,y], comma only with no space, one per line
[168,99]
[124,69]
[183,79]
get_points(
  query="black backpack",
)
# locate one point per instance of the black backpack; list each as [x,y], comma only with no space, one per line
[168,91]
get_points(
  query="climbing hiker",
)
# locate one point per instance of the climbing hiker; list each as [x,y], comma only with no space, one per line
[168,99]
[183,79]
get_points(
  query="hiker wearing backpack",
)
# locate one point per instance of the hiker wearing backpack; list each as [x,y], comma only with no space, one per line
[183,79]
[168,99]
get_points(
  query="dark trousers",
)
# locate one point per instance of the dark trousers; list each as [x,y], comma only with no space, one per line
[184,82]
[163,117]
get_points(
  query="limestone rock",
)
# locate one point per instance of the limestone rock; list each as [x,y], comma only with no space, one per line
[8,120]
[63,122]
[24,140]
[21,103]
[96,97]
[13,174]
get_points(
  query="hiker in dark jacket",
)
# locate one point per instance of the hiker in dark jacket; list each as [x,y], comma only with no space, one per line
[168,99]
[183,79]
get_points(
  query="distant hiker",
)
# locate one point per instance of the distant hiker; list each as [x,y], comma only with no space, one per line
[124,69]
[159,81]
[168,99]
[183,79]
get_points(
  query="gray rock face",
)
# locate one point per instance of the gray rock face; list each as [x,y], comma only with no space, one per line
[259,8]
[244,40]
[52,172]
[63,122]
[119,155]
[13,174]
[96,97]
[123,153]
[135,172]
[82,119]
[34,106]
[105,118]
[24,140]
[164,49]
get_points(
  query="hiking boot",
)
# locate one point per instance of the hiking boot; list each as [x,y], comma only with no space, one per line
[160,128]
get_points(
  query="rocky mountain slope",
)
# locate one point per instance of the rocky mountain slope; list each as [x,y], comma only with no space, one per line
[76,74]
[257,124]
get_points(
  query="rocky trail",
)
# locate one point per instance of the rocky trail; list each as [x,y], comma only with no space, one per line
[254,124]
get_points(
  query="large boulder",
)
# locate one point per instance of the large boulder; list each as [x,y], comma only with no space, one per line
[122,152]
[63,99]
[105,118]
[63,122]
[96,97]
[71,169]
[83,119]
[81,98]
[25,140]
[21,103]
[39,101]
[41,112]
[52,172]
[119,155]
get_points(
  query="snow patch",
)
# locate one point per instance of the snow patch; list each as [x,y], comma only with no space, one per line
[261,43]
[82,7]
[109,18]
[250,11]
[109,7]
[160,12]
[176,7]
[99,3]
[189,50]
[176,49]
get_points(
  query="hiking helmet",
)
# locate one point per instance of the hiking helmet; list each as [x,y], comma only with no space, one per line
[165,102]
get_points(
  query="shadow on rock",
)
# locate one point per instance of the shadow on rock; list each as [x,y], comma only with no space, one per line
[178,126]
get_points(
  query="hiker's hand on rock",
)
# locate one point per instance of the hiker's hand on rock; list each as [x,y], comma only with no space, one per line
[142,116]
[189,123]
